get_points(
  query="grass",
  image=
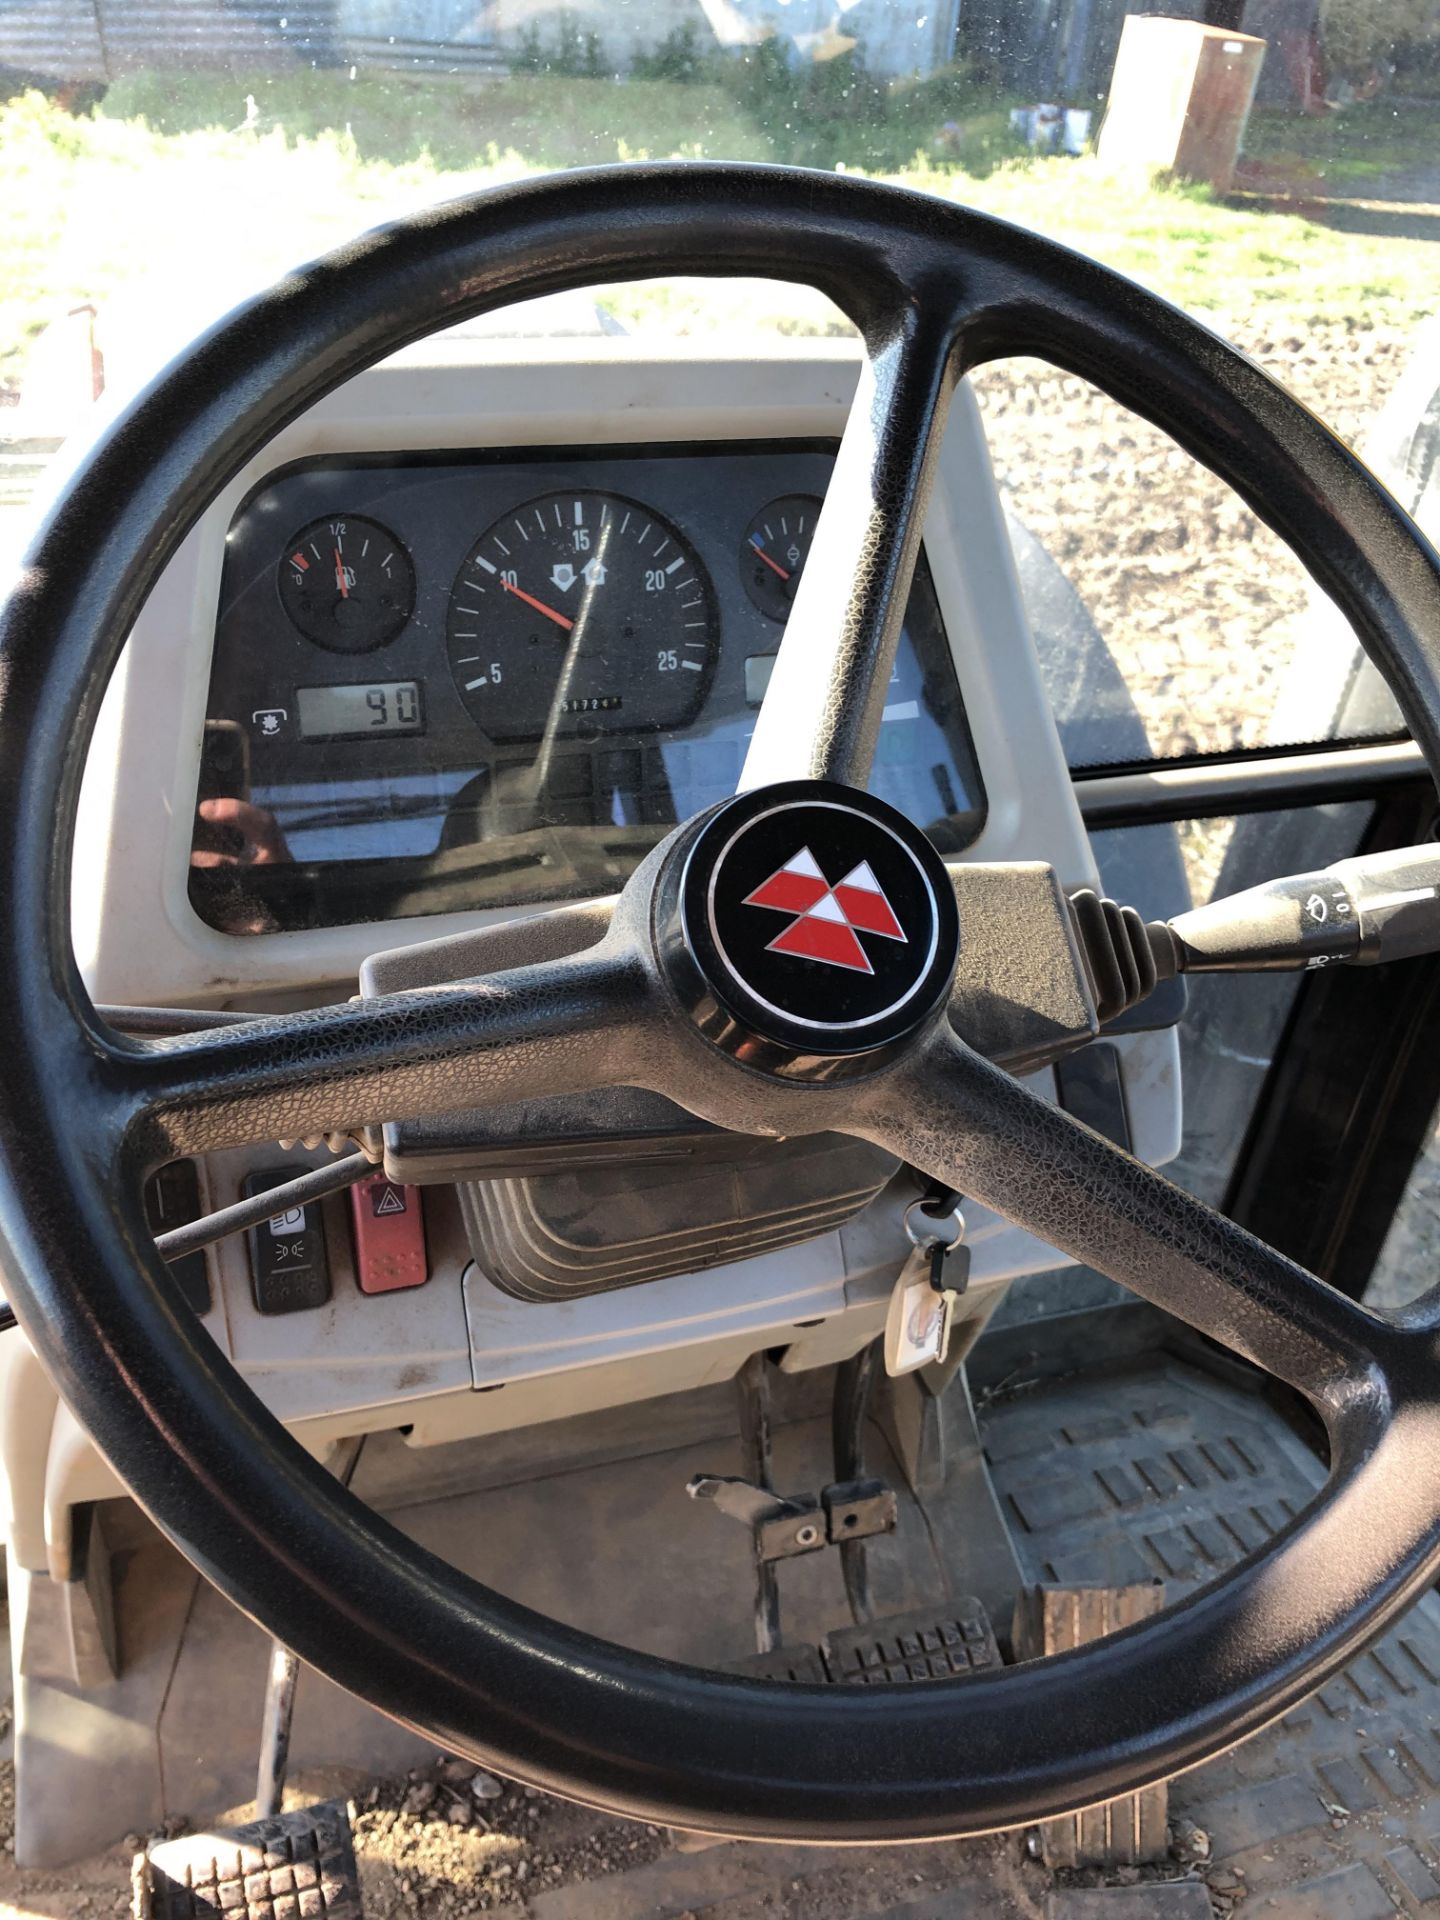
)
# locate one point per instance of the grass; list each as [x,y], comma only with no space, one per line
[164,189]
[833,116]
[447,127]
[1351,147]
[1208,256]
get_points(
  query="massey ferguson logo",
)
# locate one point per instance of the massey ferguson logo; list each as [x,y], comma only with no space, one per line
[826,919]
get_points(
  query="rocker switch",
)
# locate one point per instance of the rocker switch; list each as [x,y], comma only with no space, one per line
[289,1267]
[172,1199]
[389,1231]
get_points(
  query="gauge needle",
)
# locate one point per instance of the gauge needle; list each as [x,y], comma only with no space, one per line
[538,605]
[340,576]
[774,565]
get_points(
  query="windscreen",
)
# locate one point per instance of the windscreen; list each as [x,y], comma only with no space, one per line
[1269,164]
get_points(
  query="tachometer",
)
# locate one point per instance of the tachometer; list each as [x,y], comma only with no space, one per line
[347,583]
[581,613]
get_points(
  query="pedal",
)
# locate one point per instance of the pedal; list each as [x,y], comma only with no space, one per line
[801,1666]
[1133,1829]
[291,1867]
[946,1644]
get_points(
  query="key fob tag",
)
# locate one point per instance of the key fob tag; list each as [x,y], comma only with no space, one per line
[917,1326]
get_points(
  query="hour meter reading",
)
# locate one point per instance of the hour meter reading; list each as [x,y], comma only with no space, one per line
[357,712]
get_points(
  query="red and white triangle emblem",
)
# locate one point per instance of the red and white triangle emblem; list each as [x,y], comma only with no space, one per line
[826,919]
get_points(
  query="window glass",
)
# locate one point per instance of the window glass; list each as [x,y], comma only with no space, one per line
[158,163]
[1409,1262]
[1171,623]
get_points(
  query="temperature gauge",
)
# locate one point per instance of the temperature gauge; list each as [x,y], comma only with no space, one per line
[774,551]
[347,584]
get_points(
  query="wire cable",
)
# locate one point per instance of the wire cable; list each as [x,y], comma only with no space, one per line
[300,1192]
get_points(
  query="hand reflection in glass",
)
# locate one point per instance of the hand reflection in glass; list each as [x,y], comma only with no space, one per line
[252,835]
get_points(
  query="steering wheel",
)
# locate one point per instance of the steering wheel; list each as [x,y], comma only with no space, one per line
[699,990]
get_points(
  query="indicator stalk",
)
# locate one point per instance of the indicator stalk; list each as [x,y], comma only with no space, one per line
[1377,907]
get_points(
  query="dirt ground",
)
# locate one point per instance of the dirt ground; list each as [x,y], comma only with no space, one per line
[1200,603]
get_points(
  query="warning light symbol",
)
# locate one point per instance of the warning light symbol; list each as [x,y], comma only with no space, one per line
[386,1199]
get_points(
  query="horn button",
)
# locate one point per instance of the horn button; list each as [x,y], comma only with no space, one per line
[809,926]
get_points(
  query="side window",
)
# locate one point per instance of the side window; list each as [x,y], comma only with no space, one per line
[1409,1261]
[1170,622]
[1233,1023]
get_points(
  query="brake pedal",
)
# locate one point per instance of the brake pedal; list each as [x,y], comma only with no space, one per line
[932,1644]
[295,1866]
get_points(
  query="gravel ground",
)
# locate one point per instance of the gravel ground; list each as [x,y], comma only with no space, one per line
[451,1840]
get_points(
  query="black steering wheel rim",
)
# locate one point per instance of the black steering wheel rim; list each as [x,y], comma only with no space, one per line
[474,1671]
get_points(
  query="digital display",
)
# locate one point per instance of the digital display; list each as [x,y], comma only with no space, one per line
[348,713]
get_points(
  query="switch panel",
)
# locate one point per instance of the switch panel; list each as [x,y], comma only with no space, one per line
[172,1199]
[389,1231]
[289,1267]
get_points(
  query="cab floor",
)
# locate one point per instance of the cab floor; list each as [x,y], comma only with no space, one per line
[1158,1470]
[1161,1472]
[1171,1473]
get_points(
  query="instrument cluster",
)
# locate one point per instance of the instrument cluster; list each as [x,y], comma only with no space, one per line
[444,681]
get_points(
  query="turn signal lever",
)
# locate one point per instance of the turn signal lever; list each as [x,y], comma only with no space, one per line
[1381,906]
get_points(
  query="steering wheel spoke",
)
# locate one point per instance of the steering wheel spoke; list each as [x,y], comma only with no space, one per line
[957,1117]
[822,709]
[560,1027]
[1022,993]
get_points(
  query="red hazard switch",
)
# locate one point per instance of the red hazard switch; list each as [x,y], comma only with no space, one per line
[389,1235]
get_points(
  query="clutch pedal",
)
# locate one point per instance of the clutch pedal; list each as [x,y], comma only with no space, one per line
[295,1866]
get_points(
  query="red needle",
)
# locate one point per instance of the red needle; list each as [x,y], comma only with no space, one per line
[774,565]
[538,605]
[340,576]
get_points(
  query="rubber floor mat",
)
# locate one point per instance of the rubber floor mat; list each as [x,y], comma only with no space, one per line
[1169,1473]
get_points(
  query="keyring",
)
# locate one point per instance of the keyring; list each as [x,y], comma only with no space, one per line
[946,1230]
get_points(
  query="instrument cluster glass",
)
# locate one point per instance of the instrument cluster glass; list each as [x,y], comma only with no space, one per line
[448,681]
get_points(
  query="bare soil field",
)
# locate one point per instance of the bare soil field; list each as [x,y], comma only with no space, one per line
[1198,600]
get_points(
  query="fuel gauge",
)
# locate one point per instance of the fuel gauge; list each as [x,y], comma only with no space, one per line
[774,551]
[347,583]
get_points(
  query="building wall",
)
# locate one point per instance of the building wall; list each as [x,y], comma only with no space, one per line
[624,29]
[74,40]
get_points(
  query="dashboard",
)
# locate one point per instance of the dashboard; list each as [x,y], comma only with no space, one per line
[292,787]
[445,681]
